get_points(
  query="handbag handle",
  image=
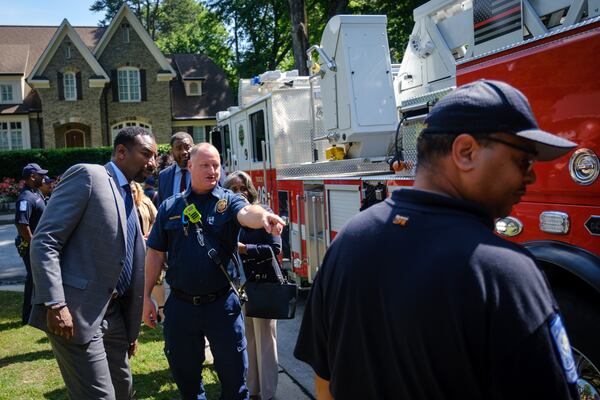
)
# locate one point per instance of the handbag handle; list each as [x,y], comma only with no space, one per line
[276,268]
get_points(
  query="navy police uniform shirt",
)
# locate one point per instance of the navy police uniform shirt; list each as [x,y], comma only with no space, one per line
[190,268]
[418,299]
[30,206]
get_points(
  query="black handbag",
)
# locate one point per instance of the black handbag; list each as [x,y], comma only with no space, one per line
[271,300]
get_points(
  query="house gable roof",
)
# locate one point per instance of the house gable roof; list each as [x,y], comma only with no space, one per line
[216,93]
[125,12]
[14,39]
[65,29]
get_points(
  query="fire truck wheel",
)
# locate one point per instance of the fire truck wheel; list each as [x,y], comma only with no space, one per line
[581,313]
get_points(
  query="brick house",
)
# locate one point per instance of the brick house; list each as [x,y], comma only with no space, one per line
[76,86]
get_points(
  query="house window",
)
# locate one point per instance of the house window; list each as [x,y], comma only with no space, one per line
[193,88]
[125,32]
[68,51]
[11,136]
[198,134]
[117,127]
[70,86]
[129,84]
[257,126]
[6,93]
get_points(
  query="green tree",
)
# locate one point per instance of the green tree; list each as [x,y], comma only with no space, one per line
[260,33]
[400,20]
[147,12]
[186,26]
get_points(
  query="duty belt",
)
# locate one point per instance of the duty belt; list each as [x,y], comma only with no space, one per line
[199,299]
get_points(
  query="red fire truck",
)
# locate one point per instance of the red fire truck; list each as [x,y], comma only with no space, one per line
[318,147]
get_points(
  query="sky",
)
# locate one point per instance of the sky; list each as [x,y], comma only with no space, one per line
[48,12]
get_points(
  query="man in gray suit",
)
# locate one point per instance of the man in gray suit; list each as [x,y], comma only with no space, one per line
[87,259]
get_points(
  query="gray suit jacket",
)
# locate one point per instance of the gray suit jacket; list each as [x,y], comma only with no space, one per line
[78,252]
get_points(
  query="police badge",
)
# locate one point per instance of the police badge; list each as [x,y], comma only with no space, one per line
[221,206]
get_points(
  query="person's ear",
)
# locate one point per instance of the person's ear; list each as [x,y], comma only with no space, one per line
[464,151]
[120,151]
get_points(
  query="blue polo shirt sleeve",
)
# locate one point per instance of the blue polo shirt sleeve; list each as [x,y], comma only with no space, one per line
[158,239]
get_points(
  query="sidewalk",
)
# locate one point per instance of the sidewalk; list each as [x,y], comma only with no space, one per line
[6,219]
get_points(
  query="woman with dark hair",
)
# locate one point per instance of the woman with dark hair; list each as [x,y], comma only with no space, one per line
[258,250]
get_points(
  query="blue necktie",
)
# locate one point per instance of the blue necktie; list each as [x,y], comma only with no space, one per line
[125,277]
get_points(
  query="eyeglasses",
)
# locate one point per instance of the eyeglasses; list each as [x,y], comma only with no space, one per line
[527,163]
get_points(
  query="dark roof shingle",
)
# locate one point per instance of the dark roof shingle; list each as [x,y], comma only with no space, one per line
[216,93]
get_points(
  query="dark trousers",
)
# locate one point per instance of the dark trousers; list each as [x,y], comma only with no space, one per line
[185,328]
[26,309]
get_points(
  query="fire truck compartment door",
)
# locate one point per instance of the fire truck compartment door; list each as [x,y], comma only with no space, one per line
[344,203]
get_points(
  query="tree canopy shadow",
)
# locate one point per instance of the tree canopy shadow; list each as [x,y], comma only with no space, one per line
[148,385]
[14,324]
[18,358]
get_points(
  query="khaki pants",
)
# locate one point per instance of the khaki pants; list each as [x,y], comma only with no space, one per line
[263,368]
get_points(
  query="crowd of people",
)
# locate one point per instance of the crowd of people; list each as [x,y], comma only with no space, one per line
[442,309]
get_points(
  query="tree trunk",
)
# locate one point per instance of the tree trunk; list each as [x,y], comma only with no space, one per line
[299,34]
[336,7]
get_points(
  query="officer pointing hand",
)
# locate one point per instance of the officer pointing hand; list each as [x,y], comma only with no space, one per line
[197,231]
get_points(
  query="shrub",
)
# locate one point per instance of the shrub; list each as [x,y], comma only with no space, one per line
[56,161]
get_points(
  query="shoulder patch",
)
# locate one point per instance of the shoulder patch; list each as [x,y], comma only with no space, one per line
[221,206]
[23,205]
[561,340]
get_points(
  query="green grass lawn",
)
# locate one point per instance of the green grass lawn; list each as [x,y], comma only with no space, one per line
[28,369]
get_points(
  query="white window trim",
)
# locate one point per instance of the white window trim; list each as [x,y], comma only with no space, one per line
[12,93]
[68,51]
[24,132]
[116,127]
[74,97]
[188,88]
[128,86]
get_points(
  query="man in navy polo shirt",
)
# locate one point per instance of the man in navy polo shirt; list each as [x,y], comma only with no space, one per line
[202,302]
[418,299]
[29,209]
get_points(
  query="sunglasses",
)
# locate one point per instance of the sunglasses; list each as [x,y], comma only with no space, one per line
[527,163]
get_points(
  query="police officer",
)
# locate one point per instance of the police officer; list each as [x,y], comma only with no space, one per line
[418,299]
[197,230]
[29,209]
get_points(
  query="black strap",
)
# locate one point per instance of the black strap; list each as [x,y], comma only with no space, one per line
[213,254]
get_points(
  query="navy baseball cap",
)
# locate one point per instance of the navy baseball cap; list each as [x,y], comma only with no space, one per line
[33,167]
[488,106]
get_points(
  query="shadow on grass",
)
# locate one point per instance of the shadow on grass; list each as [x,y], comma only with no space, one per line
[14,324]
[33,356]
[43,340]
[150,334]
[148,385]
[58,394]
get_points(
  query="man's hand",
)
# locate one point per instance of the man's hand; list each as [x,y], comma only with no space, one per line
[149,314]
[59,322]
[242,248]
[132,351]
[273,223]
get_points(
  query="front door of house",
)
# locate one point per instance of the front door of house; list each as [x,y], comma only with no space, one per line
[74,139]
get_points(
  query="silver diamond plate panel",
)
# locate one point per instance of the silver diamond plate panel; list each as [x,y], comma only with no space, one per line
[292,127]
[336,169]
[432,97]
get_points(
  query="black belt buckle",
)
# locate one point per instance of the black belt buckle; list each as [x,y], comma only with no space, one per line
[208,298]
